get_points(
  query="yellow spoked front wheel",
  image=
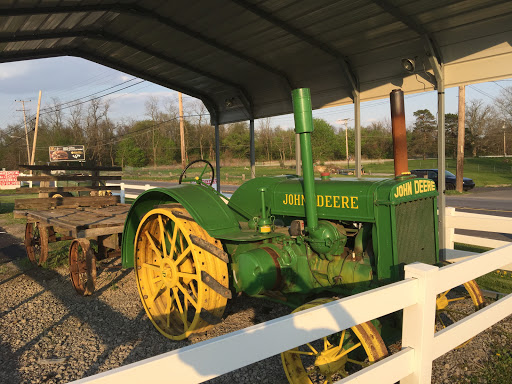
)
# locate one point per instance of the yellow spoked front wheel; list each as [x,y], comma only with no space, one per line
[181,273]
[334,357]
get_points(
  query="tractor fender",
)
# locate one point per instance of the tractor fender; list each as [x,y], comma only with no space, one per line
[205,207]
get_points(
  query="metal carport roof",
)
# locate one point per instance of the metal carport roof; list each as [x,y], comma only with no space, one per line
[242,58]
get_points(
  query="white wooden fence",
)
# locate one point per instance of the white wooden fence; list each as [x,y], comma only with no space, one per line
[477,222]
[416,295]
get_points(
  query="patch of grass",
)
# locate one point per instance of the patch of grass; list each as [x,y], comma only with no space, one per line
[498,369]
[58,255]
[471,248]
[7,202]
[484,171]
[498,281]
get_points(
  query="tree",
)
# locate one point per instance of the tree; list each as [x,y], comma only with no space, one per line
[451,127]
[128,153]
[504,104]
[323,140]
[236,142]
[477,117]
[424,140]
[376,141]
[265,137]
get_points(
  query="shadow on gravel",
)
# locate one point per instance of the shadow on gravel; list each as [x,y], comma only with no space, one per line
[111,328]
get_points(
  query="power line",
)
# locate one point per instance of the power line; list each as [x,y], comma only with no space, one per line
[94,98]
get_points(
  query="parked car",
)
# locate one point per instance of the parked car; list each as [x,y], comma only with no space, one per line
[449,177]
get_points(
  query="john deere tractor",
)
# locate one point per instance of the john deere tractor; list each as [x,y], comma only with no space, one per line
[286,238]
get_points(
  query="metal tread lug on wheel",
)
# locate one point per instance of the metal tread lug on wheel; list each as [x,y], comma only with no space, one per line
[169,269]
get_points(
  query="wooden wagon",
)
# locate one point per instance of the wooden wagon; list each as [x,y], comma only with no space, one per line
[88,215]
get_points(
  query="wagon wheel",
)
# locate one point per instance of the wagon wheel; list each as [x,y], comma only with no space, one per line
[36,243]
[206,170]
[181,273]
[82,267]
[333,357]
[452,306]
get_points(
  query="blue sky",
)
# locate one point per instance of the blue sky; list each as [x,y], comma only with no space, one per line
[70,78]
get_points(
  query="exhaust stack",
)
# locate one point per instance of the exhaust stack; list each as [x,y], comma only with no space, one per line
[398,131]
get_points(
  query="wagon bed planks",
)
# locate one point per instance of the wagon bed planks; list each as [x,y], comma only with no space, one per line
[65,202]
[82,223]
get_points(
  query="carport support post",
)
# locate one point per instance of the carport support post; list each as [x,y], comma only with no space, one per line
[357,123]
[217,154]
[252,150]
[441,168]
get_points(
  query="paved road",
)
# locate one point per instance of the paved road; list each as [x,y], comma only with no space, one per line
[486,201]
[489,201]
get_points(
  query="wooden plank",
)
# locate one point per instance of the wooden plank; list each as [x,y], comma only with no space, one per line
[43,217]
[68,178]
[60,202]
[67,189]
[71,167]
[95,232]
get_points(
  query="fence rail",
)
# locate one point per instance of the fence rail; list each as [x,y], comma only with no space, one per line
[416,295]
[476,222]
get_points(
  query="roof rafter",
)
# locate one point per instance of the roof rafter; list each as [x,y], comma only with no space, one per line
[32,54]
[342,59]
[109,62]
[430,45]
[108,36]
[147,13]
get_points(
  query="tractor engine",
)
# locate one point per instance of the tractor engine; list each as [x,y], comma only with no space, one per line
[367,230]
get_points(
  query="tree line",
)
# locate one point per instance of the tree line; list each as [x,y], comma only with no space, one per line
[154,140]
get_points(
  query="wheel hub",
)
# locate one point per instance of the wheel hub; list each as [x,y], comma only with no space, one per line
[441,302]
[169,273]
[328,361]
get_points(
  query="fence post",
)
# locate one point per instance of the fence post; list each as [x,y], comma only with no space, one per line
[123,192]
[450,229]
[419,322]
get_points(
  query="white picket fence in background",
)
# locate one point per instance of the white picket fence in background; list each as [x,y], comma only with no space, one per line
[477,222]
[416,295]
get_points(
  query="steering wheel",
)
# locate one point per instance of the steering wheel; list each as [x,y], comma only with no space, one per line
[198,179]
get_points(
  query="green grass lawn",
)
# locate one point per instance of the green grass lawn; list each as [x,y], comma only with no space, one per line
[483,171]
[498,281]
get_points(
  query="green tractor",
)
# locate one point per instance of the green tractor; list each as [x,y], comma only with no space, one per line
[286,238]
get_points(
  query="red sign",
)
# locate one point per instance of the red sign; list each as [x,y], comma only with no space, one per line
[9,179]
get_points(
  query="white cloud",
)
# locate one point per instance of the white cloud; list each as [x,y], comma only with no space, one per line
[11,70]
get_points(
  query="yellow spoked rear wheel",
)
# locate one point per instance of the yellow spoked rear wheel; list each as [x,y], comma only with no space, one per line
[452,306]
[334,357]
[183,286]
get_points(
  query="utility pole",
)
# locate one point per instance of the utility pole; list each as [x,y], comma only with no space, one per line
[504,141]
[345,121]
[26,130]
[460,139]
[35,130]
[182,132]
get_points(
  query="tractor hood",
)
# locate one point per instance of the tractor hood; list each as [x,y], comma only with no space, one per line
[348,199]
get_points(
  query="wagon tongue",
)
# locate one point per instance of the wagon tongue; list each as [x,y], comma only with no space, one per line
[398,130]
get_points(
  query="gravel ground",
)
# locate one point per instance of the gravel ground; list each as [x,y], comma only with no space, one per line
[49,334]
